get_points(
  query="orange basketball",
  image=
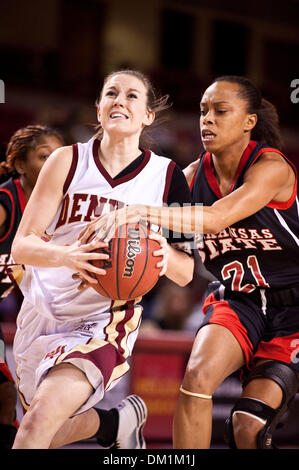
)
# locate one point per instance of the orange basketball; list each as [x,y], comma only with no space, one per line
[131,268]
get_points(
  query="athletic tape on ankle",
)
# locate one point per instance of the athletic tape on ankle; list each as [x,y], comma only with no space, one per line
[198,395]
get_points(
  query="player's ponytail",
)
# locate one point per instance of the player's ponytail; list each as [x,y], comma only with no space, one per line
[4,169]
[267,127]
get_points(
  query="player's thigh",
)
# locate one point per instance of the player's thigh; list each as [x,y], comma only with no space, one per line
[215,355]
[63,391]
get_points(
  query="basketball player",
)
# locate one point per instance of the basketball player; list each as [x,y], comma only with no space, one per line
[72,345]
[26,153]
[249,219]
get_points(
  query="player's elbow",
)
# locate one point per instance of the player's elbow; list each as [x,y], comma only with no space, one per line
[16,251]
[214,228]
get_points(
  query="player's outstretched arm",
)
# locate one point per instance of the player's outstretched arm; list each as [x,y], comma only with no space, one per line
[28,246]
[271,178]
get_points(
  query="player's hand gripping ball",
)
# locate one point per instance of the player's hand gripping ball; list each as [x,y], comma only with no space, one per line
[131,268]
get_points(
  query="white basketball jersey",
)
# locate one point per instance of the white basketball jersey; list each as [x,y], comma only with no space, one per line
[88,186]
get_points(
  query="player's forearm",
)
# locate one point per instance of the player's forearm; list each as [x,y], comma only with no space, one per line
[33,251]
[180,267]
[186,219]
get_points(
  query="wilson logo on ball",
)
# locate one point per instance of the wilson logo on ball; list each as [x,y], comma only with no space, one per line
[133,249]
[107,263]
[132,269]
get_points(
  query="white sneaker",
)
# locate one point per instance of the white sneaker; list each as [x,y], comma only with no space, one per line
[132,417]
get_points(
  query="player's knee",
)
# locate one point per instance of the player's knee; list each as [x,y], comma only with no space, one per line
[198,378]
[39,418]
[246,429]
[252,421]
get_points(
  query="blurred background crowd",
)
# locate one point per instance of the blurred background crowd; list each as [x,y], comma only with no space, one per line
[55,53]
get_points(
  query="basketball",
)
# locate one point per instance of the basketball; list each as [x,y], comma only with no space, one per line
[131,268]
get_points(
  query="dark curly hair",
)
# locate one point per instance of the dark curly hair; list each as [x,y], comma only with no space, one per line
[23,140]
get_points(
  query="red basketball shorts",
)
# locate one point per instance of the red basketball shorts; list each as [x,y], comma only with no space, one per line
[263,331]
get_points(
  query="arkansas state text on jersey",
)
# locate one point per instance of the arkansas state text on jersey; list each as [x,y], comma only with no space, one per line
[260,251]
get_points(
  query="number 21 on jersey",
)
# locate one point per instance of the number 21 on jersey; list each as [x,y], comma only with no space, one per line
[235,271]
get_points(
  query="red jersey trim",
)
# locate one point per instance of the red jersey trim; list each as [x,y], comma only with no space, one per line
[210,175]
[113,183]
[21,194]
[4,370]
[6,191]
[208,169]
[282,205]
[246,154]
[72,169]
[169,173]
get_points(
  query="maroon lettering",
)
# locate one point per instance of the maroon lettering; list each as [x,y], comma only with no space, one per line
[74,217]
[93,204]
[99,209]
[58,350]
[111,203]
[64,212]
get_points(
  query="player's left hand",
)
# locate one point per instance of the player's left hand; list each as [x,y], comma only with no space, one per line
[104,226]
[163,251]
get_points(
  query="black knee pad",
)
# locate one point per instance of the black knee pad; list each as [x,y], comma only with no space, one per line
[279,372]
[287,379]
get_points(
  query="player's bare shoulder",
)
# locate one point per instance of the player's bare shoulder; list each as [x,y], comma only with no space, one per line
[273,163]
[58,164]
[275,170]
[276,162]
[62,156]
